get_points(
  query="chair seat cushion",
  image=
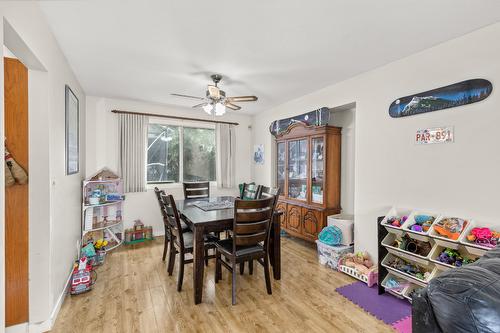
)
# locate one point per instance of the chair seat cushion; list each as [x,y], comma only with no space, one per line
[225,246]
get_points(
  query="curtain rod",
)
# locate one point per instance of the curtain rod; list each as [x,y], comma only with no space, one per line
[174,117]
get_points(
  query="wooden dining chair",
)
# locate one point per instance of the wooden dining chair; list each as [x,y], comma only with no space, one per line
[196,190]
[265,192]
[250,191]
[168,234]
[250,239]
[181,242]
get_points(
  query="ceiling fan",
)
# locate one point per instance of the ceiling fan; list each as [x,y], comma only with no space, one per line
[216,101]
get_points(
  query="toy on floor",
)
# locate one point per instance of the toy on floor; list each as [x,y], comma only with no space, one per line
[360,266]
[454,258]
[139,233]
[397,221]
[81,280]
[484,237]
[450,227]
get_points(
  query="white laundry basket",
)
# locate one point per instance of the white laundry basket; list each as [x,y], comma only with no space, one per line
[345,223]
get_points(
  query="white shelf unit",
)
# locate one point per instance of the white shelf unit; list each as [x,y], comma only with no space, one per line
[430,261]
[105,217]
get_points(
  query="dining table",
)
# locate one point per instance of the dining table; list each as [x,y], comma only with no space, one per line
[216,215]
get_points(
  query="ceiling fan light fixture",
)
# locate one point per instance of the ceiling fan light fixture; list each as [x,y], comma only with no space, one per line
[208,108]
[220,109]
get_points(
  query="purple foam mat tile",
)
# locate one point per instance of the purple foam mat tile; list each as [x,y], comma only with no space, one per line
[385,307]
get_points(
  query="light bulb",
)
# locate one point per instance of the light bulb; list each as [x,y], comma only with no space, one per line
[208,108]
[220,109]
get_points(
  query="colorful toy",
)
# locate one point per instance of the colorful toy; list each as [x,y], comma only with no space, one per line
[484,237]
[454,258]
[409,268]
[414,246]
[422,223]
[450,227]
[330,235]
[397,221]
[359,266]
[139,233]
[81,280]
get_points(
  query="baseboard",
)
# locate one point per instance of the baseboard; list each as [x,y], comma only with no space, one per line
[19,328]
[48,324]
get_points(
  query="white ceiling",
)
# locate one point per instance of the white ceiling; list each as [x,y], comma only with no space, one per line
[275,49]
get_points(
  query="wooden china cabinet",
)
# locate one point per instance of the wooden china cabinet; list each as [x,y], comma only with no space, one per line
[308,174]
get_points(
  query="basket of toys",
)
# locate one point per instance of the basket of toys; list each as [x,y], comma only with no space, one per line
[359,266]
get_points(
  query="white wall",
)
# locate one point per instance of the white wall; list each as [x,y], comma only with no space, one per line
[346,120]
[459,178]
[103,148]
[55,199]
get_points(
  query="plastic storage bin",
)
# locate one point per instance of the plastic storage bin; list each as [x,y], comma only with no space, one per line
[423,235]
[399,212]
[429,267]
[474,247]
[330,255]
[345,223]
[445,241]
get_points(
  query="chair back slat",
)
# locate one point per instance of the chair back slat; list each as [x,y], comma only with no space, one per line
[250,191]
[250,227]
[196,190]
[173,219]
[252,219]
[251,239]
[266,192]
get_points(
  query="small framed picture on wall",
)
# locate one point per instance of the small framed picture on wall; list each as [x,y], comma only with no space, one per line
[72,106]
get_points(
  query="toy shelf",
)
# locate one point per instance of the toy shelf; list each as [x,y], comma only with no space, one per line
[387,234]
[95,224]
[104,227]
[103,204]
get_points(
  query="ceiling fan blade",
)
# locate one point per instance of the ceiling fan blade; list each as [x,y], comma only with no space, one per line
[187,96]
[233,106]
[214,92]
[242,99]
[199,105]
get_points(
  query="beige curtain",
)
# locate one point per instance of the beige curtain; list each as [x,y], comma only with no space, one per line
[225,155]
[133,138]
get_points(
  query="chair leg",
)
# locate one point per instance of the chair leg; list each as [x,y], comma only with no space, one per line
[218,267]
[233,288]
[206,257]
[266,273]
[165,246]
[171,258]
[180,276]
[250,266]
[242,268]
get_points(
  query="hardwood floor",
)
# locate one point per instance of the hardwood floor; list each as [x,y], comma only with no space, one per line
[134,293]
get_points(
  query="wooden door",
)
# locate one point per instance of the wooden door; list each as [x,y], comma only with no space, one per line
[16,196]
[294,219]
[282,206]
[312,223]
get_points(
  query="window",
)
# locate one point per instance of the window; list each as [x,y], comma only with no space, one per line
[180,153]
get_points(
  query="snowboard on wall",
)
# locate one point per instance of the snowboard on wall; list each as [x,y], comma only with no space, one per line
[458,94]
[319,117]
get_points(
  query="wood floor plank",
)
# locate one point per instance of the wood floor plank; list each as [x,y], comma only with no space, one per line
[134,293]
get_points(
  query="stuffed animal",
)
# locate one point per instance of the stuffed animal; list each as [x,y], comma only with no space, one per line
[17,172]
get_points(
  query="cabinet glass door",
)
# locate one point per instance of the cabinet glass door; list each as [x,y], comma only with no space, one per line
[280,178]
[297,169]
[318,169]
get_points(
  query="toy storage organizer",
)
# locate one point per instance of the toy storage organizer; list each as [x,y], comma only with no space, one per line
[102,209]
[401,283]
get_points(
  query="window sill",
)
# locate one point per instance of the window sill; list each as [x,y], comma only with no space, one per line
[162,186]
